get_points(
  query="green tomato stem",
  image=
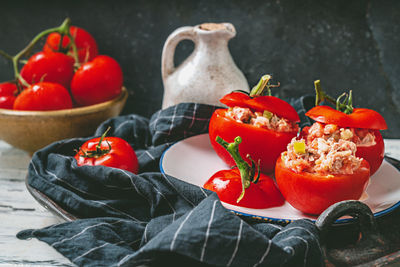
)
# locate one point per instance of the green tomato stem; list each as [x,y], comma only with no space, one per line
[62,29]
[345,106]
[258,89]
[246,171]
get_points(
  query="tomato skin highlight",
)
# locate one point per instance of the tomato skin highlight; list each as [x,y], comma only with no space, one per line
[97,81]
[49,67]
[312,193]
[84,41]
[262,144]
[228,186]
[8,90]
[121,155]
[43,96]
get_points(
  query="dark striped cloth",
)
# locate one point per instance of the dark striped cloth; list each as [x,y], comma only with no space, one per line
[153,219]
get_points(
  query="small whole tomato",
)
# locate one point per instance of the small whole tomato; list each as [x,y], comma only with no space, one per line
[48,67]
[312,193]
[260,142]
[84,41]
[97,81]
[228,186]
[43,96]
[239,186]
[108,151]
[8,92]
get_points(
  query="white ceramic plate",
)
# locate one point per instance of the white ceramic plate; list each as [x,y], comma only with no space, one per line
[193,160]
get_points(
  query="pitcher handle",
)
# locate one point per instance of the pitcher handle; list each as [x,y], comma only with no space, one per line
[168,53]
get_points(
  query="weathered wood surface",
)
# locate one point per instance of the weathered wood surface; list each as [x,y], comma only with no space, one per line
[19,211]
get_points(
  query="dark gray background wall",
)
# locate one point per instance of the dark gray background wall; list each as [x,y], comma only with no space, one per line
[347,44]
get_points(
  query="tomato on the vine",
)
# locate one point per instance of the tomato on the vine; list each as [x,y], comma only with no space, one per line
[97,81]
[48,67]
[239,186]
[8,92]
[84,41]
[356,119]
[263,143]
[108,151]
[43,96]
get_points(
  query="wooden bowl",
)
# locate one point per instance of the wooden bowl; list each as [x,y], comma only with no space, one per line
[32,130]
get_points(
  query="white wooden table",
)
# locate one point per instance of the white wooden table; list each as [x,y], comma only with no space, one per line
[19,211]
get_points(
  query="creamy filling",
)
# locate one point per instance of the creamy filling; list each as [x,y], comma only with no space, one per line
[361,137]
[323,156]
[264,119]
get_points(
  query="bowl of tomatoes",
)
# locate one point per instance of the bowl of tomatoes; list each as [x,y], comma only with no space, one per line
[64,90]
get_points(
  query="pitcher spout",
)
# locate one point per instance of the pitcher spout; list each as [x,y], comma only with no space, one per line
[223,29]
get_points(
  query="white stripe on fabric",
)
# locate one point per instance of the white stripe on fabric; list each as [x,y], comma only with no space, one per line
[193,117]
[145,233]
[172,120]
[178,117]
[208,231]
[150,155]
[305,242]
[178,230]
[275,226]
[296,227]
[83,231]
[119,211]
[169,203]
[134,185]
[163,174]
[93,249]
[237,244]
[97,196]
[122,124]
[265,254]
[202,190]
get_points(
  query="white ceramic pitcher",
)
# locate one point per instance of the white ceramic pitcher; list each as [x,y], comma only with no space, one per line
[208,73]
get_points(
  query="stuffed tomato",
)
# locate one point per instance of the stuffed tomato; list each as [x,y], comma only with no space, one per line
[265,123]
[316,175]
[359,125]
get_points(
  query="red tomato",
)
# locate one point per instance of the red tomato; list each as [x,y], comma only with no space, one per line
[84,41]
[113,152]
[360,118]
[43,96]
[312,193]
[228,186]
[260,143]
[260,103]
[97,81]
[49,67]
[8,91]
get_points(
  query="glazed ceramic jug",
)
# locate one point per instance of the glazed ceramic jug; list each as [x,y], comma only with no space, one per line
[208,73]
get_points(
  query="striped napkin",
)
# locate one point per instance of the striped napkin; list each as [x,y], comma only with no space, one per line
[153,219]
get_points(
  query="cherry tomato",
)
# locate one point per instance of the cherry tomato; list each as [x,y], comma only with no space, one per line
[228,186]
[97,81]
[312,193]
[49,67]
[261,143]
[43,96]
[360,118]
[84,41]
[8,91]
[108,151]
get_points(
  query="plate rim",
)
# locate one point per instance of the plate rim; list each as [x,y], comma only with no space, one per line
[282,220]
